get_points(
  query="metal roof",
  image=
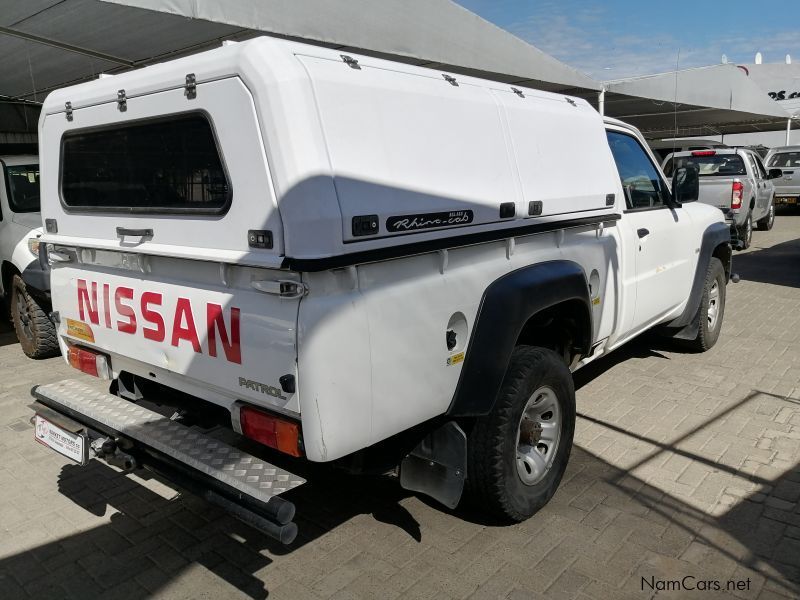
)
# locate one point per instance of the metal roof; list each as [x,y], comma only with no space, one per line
[694,102]
[780,79]
[47,44]
[433,33]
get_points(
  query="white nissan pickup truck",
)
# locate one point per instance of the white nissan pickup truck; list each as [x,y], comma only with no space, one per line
[352,261]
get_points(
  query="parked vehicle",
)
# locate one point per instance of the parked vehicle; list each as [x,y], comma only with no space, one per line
[25,282]
[787,187]
[735,181]
[663,148]
[352,261]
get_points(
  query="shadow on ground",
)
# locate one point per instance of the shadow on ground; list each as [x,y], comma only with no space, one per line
[152,540]
[7,335]
[777,265]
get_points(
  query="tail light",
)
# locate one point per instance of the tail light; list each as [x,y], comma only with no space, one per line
[704,153]
[272,431]
[736,194]
[91,363]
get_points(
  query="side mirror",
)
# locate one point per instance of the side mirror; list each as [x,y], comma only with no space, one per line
[685,184]
[775,173]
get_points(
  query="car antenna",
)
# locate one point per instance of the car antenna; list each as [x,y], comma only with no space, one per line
[675,103]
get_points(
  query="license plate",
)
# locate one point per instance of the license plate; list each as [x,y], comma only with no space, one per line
[787,200]
[72,445]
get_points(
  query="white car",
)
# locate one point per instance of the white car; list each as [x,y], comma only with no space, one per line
[352,261]
[25,282]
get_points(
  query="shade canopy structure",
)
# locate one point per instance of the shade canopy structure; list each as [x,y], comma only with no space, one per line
[47,44]
[703,101]
[439,34]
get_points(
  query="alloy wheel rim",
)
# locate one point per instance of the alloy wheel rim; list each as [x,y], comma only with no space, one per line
[24,317]
[538,435]
[713,306]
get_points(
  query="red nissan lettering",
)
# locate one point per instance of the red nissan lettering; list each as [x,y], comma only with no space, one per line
[215,319]
[183,312]
[86,304]
[124,310]
[153,317]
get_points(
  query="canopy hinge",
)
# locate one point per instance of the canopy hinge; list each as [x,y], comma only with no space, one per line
[518,92]
[570,100]
[350,62]
[450,79]
[122,101]
[68,109]
[191,86]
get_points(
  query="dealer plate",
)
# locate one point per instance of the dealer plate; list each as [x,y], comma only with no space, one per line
[72,445]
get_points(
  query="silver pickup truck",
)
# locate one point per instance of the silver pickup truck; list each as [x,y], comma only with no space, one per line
[735,181]
[787,187]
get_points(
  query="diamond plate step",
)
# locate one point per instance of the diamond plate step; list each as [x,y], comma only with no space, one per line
[242,471]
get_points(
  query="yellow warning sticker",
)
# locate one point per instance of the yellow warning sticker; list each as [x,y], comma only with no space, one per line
[80,330]
[596,301]
[455,359]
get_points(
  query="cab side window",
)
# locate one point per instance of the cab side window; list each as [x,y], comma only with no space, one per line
[753,165]
[643,186]
[761,169]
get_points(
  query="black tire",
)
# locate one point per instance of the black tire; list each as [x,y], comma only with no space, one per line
[35,331]
[767,222]
[746,232]
[493,480]
[707,335]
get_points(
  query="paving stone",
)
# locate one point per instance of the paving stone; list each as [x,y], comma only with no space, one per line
[683,464]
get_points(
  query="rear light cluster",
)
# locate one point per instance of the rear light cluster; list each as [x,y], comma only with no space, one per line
[704,153]
[736,194]
[272,431]
[90,362]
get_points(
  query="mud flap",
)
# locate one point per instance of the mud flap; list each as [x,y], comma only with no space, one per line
[437,467]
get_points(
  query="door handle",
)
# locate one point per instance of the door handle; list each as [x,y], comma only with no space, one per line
[642,232]
[142,233]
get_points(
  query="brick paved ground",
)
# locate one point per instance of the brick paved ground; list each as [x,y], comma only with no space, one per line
[684,465]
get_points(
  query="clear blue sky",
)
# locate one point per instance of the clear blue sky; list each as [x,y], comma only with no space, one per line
[621,38]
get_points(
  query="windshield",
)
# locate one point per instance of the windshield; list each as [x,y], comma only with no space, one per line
[785,159]
[717,165]
[22,183]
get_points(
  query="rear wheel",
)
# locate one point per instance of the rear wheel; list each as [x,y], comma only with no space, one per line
[517,453]
[35,331]
[767,222]
[712,308]
[746,232]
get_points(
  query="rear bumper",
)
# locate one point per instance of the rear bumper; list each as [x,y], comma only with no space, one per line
[785,197]
[129,435]
[787,190]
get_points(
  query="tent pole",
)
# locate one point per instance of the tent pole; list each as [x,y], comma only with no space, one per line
[601,101]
